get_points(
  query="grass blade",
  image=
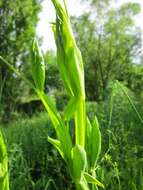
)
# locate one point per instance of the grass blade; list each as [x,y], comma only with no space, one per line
[131,102]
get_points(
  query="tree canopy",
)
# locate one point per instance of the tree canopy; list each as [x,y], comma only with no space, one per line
[110,43]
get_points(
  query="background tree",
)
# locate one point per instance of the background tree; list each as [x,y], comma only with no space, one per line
[18,21]
[110,44]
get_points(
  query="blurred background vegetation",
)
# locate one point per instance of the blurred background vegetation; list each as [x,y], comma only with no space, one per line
[111,47]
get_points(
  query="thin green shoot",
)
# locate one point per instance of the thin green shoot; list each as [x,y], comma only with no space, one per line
[131,102]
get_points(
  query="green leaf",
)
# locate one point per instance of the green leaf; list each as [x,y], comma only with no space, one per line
[82,185]
[79,163]
[38,67]
[88,140]
[75,70]
[90,179]
[96,142]
[61,129]
[57,145]
[70,109]
[65,140]
[93,142]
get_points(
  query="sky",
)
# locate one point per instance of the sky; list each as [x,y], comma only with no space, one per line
[76,8]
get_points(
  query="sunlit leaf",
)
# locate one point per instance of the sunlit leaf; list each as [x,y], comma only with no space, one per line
[79,162]
[90,179]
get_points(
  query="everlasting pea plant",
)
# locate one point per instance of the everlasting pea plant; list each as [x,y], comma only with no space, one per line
[80,156]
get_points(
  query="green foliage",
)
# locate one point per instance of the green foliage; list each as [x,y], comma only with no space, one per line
[17,28]
[4,176]
[122,134]
[33,163]
[130,8]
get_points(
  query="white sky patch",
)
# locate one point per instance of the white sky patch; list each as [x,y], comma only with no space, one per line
[76,8]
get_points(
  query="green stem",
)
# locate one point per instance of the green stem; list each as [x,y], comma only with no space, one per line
[78,187]
[49,108]
[94,187]
[80,123]
[82,186]
[18,73]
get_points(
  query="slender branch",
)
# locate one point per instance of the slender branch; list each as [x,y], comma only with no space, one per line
[131,102]
[18,73]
